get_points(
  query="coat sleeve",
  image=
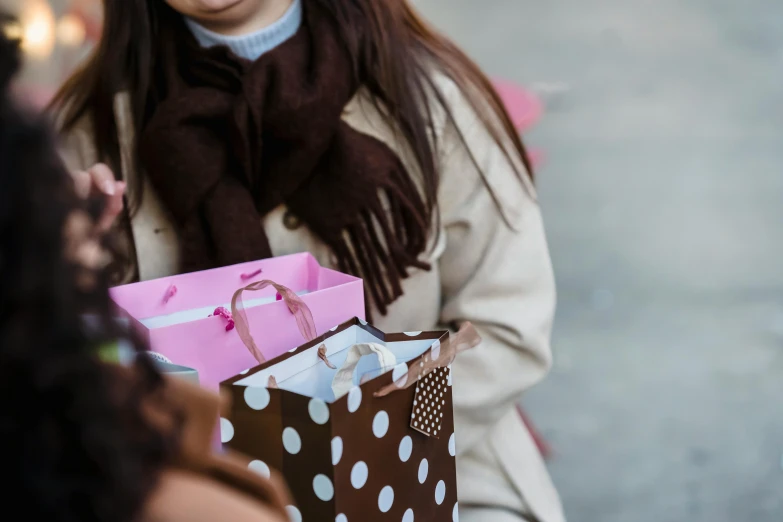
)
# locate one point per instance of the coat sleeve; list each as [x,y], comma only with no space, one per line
[495,273]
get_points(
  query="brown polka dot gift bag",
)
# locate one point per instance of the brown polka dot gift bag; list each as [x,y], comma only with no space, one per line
[358,421]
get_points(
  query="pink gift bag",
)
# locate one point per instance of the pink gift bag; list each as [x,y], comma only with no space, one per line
[177,314]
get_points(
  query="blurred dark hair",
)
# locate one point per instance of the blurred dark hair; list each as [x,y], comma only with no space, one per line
[76,445]
[393,51]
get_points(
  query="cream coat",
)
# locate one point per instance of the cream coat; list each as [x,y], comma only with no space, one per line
[497,277]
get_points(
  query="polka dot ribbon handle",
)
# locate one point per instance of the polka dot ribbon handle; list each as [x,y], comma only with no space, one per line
[297,307]
[343,379]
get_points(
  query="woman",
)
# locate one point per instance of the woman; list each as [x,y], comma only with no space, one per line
[85,440]
[349,129]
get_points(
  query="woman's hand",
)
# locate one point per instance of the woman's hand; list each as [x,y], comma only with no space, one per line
[83,248]
[83,234]
[98,182]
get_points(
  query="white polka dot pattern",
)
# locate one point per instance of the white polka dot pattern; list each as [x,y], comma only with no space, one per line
[291,441]
[386,499]
[380,424]
[323,488]
[406,448]
[341,518]
[455,513]
[452,446]
[319,411]
[399,372]
[257,398]
[359,474]
[430,402]
[226,430]
[259,467]
[440,492]
[293,514]
[337,450]
[424,469]
[354,399]
[408,516]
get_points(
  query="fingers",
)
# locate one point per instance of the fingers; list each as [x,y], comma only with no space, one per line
[103,179]
[98,181]
[114,205]
[83,248]
[82,182]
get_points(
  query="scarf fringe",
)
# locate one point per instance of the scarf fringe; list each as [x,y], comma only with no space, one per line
[383,244]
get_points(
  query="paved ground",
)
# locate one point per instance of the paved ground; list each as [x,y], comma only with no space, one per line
[663,193]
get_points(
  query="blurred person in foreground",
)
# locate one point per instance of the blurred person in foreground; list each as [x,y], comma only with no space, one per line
[84,440]
[350,129]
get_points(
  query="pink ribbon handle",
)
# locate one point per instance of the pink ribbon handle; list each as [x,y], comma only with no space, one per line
[300,311]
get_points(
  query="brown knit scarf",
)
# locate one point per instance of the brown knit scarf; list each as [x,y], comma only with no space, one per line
[231,140]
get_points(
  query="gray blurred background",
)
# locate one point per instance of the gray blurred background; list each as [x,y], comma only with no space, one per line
[662,190]
[663,198]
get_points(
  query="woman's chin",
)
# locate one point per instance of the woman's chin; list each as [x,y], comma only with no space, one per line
[231,17]
[213,7]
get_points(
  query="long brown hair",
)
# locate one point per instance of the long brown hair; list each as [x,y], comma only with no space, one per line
[395,56]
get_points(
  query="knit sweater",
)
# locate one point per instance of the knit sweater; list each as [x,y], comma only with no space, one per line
[252,45]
